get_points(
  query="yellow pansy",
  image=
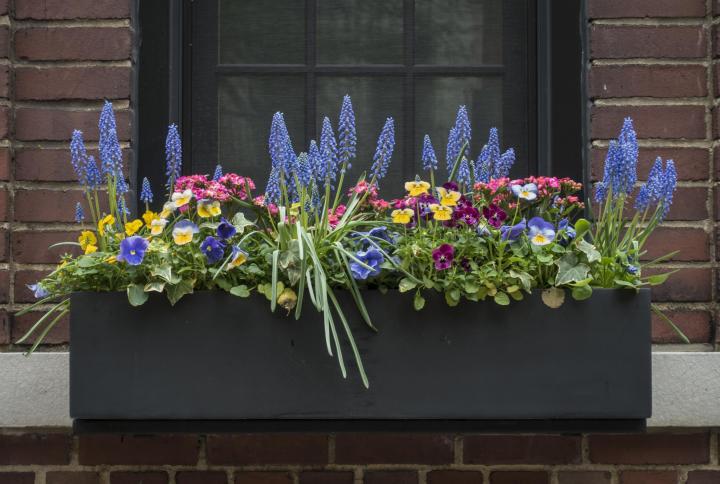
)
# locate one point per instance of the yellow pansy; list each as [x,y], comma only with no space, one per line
[441,212]
[167,210]
[239,257]
[89,249]
[183,232]
[149,216]
[86,238]
[448,198]
[402,216]
[157,226]
[417,187]
[132,227]
[208,208]
[105,221]
[180,199]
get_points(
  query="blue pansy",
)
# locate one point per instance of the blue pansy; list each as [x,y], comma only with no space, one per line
[132,250]
[38,290]
[372,258]
[512,232]
[225,229]
[526,192]
[541,232]
[213,249]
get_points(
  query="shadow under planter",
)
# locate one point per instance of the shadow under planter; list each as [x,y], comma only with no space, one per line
[215,362]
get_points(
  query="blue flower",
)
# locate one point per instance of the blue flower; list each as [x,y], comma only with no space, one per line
[146,194]
[463,173]
[384,150]
[668,188]
[272,191]
[225,229]
[315,163]
[173,155]
[541,232]
[78,157]
[381,232]
[38,290]
[132,250]
[328,152]
[213,249]
[631,269]
[218,173]
[108,144]
[303,170]
[526,192]
[505,164]
[512,232]
[371,258]
[94,178]
[620,173]
[483,166]
[346,132]
[566,229]
[278,145]
[483,230]
[79,213]
[452,150]
[429,159]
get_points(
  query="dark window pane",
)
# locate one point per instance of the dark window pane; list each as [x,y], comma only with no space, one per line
[250,32]
[360,32]
[246,105]
[436,104]
[374,100]
[452,32]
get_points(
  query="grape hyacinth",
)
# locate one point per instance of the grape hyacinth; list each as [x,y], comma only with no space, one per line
[304,172]
[505,164]
[94,178]
[315,163]
[429,159]
[463,173]
[451,152]
[347,136]
[280,146]
[460,136]
[218,173]
[146,194]
[173,155]
[669,182]
[78,157]
[328,152]
[272,191]
[108,144]
[79,213]
[384,150]
[620,172]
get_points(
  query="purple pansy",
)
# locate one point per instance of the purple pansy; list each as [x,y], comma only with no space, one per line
[213,249]
[494,215]
[132,250]
[443,257]
[372,258]
[225,229]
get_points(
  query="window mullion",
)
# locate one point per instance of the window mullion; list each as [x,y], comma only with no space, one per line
[409,89]
[310,75]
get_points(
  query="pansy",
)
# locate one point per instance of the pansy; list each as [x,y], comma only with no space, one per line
[86,238]
[494,215]
[441,212]
[526,192]
[238,257]
[168,209]
[512,232]
[225,229]
[91,249]
[131,228]
[132,250]
[467,214]
[208,208]
[483,230]
[417,187]
[149,216]
[567,230]
[448,198]
[541,232]
[180,199]
[108,220]
[183,232]
[402,216]
[213,249]
[371,260]
[38,290]
[443,257]
[157,226]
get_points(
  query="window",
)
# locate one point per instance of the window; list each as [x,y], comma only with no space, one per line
[228,65]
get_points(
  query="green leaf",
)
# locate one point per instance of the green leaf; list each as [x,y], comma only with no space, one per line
[525,278]
[501,298]
[589,250]
[581,228]
[620,282]
[553,297]
[658,279]
[240,222]
[407,285]
[580,293]
[240,291]
[452,298]
[136,294]
[517,295]
[176,291]
[224,284]
[87,261]
[155,286]
[165,273]
[569,270]
[418,301]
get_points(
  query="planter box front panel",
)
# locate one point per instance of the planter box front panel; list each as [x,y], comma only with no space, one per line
[218,357]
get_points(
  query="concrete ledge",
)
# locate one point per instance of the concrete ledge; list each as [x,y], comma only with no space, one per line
[34,391]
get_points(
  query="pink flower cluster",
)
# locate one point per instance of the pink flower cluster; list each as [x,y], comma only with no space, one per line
[227,187]
[372,199]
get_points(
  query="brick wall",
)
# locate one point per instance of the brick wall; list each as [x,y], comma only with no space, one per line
[652,59]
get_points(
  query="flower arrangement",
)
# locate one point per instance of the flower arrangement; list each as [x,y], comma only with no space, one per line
[471,234]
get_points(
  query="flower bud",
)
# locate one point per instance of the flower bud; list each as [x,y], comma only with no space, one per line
[287,299]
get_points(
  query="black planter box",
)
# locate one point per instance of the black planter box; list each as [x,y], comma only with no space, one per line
[216,359]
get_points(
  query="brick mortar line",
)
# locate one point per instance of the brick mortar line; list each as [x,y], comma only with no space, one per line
[661,143]
[653,101]
[55,64]
[649,22]
[120,105]
[651,61]
[22,24]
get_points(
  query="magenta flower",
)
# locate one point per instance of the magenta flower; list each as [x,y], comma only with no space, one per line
[466,213]
[494,215]
[443,257]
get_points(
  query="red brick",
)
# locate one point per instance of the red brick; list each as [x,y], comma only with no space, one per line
[4,285]
[33,246]
[4,6]
[4,81]
[690,163]
[393,449]
[648,477]
[4,245]
[4,164]
[126,477]
[647,81]
[623,42]
[77,9]
[77,43]
[263,478]
[265,449]
[646,8]
[4,328]
[703,477]
[4,202]
[201,477]
[46,205]
[716,79]
[692,448]
[40,449]
[686,285]
[33,124]
[584,477]
[72,477]
[664,122]
[521,449]
[693,244]
[690,204]
[17,478]
[4,121]
[45,164]
[140,450]
[519,477]
[59,83]
[454,477]
[4,41]
[695,325]
[326,477]
[22,279]
[391,477]
[59,334]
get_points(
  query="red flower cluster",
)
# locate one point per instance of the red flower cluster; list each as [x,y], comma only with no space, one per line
[227,187]
[372,199]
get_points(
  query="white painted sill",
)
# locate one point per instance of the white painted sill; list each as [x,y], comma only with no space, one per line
[686,390]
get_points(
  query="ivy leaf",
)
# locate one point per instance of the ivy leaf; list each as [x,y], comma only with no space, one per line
[525,278]
[569,270]
[418,301]
[501,298]
[165,273]
[589,250]
[553,297]
[155,286]
[136,294]
[240,291]
[176,291]
[580,293]
[240,222]
[406,285]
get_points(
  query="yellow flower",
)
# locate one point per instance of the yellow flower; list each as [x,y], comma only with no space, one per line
[89,249]
[402,216]
[86,238]
[111,260]
[167,210]
[417,187]
[132,227]
[180,199]
[448,198]
[157,226]
[287,299]
[107,220]
[239,257]
[295,209]
[183,232]
[149,216]
[441,212]
[208,208]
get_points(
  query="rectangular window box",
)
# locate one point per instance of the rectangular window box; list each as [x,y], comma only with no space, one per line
[219,362]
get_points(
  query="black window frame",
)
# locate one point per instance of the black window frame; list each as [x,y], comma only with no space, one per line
[163,60]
